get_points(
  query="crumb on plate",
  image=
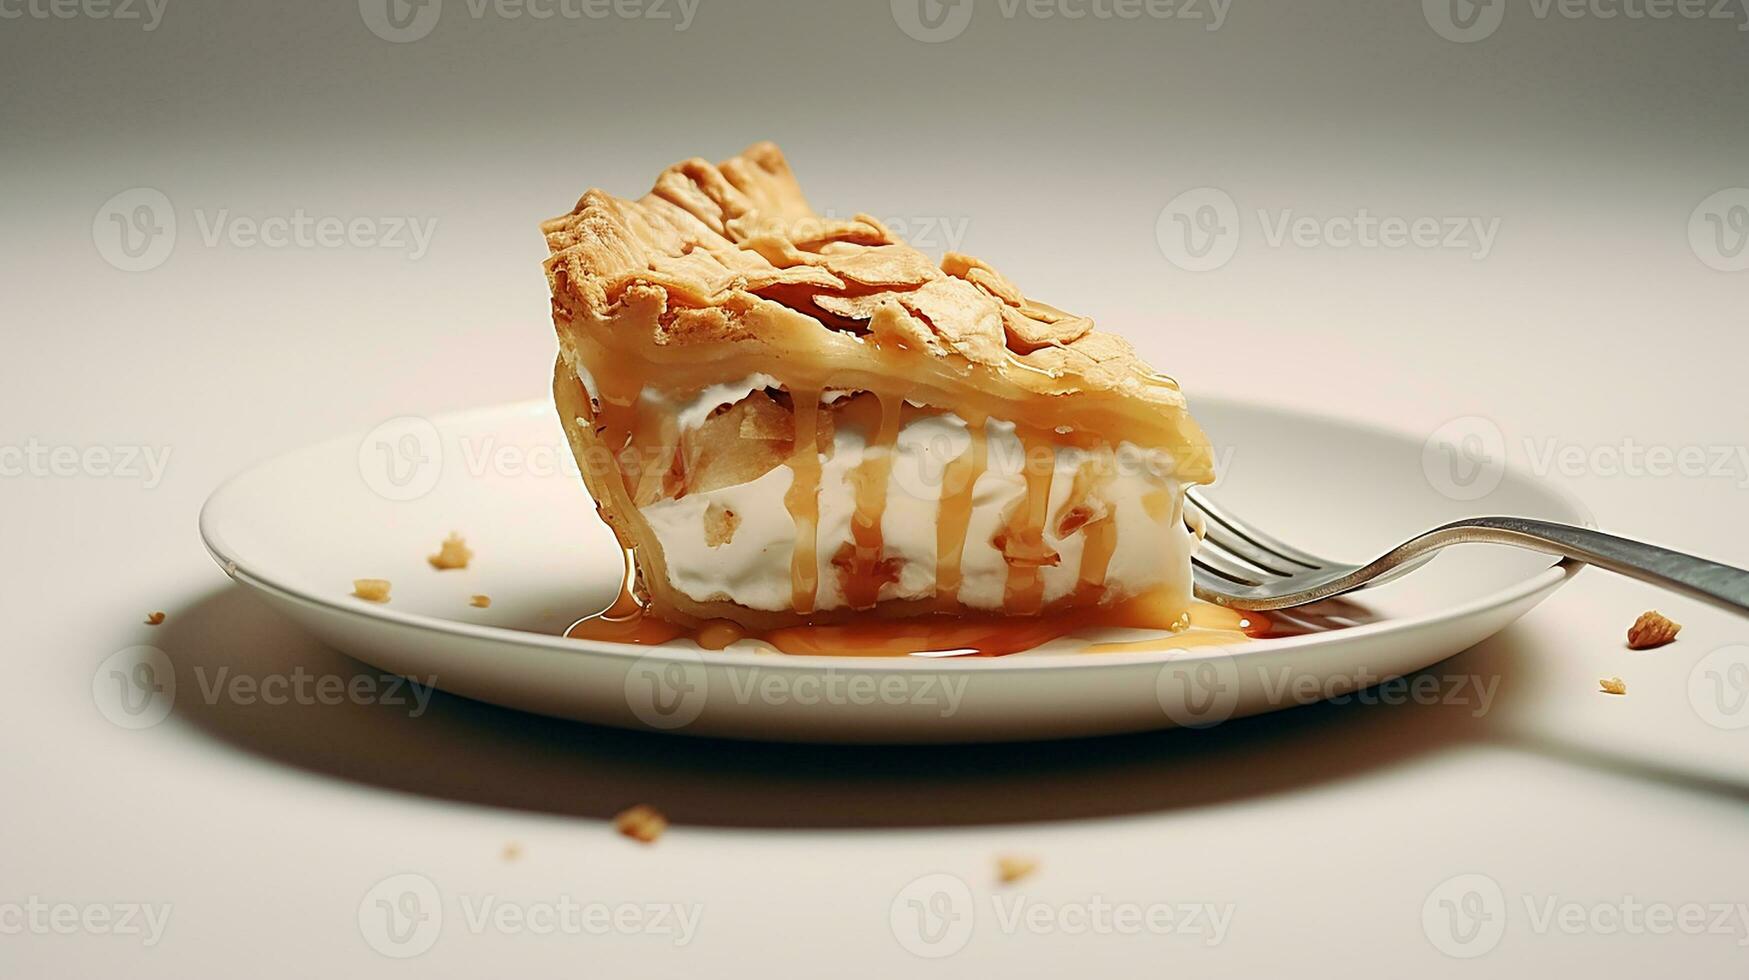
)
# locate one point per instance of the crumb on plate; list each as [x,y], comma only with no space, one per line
[1013,867]
[454,553]
[512,851]
[155,619]
[481,602]
[641,823]
[1652,630]
[1613,685]
[371,589]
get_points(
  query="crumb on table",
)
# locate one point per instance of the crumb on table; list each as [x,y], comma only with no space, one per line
[155,619]
[641,823]
[1613,685]
[1013,867]
[371,589]
[454,553]
[1653,629]
[481,602]
[512,851]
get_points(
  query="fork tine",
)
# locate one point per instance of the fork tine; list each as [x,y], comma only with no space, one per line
[1235,551]
[1215,537]
[1252,536]
[1212,562]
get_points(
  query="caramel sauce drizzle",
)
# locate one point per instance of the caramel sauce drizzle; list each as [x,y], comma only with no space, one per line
[626,620]
[867,569]
[1099,528]
[954,514]
[616,419]
[1160,505]
[984,635]
[803,500]
[1022,538]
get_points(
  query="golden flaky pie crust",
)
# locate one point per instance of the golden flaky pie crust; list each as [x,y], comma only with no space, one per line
[724,270]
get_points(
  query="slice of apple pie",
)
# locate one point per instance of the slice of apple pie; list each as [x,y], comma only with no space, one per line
[791,418]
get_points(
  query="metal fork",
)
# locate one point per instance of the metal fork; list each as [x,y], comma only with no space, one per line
[1242,567]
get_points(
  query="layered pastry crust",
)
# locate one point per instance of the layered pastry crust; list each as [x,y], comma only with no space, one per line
[926,429]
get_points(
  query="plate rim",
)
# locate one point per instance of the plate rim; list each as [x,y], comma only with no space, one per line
[1558,573]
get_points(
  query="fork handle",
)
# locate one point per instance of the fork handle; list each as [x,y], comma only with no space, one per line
[1698,578]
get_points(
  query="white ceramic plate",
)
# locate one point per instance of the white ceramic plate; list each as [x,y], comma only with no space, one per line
[300,528]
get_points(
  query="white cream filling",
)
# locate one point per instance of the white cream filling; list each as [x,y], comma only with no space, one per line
[752,569]
[691,414]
